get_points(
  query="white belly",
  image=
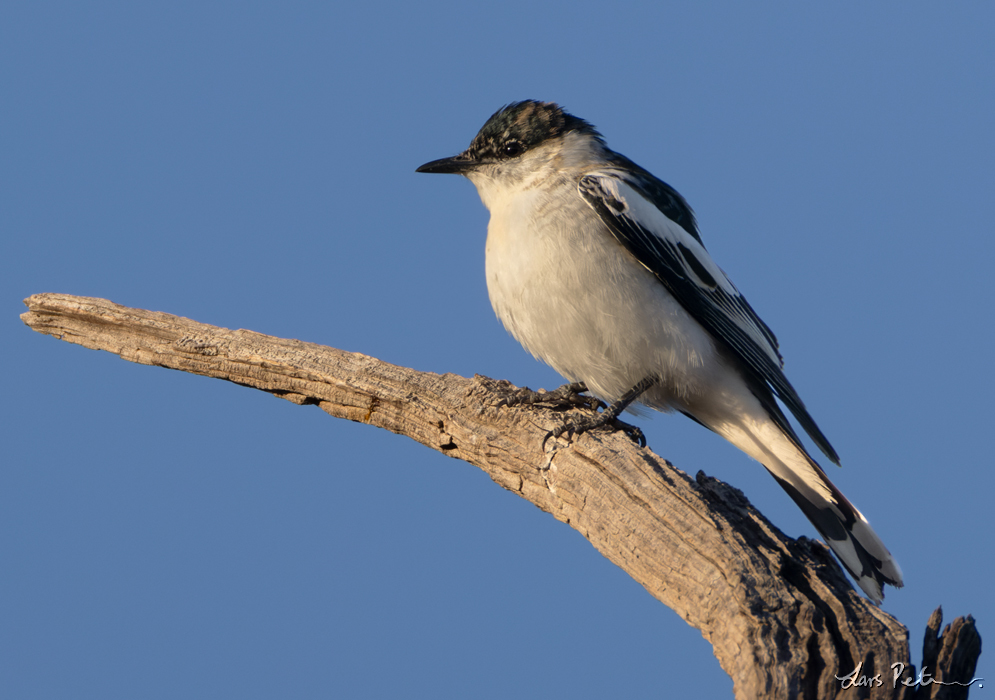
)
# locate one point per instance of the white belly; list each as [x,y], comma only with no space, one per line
[576,299]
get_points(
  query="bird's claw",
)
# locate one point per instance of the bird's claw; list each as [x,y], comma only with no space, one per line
[582,426]
[571,396]
[566,396]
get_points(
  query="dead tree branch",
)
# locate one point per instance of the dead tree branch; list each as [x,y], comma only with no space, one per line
[782,618]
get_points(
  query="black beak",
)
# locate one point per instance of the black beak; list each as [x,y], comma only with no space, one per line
[457,165]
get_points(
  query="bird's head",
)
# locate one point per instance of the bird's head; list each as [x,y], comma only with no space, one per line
[521,141]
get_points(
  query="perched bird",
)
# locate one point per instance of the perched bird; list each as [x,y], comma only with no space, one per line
[598,269]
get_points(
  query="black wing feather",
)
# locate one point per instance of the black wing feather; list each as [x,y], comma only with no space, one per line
[723,314]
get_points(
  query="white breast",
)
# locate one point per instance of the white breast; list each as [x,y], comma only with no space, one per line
[576,299]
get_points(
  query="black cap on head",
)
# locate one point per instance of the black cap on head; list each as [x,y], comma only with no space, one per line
[511,131]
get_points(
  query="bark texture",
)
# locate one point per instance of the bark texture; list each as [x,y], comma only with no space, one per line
[781,616]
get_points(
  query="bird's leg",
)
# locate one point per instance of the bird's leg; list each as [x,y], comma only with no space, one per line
[568,395]
[609,415]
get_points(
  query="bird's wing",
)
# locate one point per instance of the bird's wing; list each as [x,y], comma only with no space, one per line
[643,215]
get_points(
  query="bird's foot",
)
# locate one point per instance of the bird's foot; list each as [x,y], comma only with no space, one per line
[606,420]
[609,417]
[572,396]
[567,396]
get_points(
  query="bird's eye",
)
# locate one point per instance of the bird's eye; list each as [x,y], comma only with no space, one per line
[512,148]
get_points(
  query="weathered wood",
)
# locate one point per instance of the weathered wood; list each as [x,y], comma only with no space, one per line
[782,618]
[949,659]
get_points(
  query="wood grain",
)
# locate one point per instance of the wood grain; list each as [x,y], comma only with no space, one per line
[782,618]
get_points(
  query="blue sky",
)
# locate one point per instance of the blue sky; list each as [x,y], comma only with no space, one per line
[251,165]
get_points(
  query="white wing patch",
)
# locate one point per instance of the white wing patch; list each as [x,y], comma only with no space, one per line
[672,243]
